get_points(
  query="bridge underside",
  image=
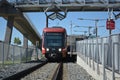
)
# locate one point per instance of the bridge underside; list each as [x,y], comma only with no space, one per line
[70,5]
[21,21]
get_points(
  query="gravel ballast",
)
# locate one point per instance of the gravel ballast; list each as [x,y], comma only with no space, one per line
[13,69]
[76,72]
[71,71]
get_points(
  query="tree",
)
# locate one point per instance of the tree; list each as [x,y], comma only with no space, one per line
[17,41]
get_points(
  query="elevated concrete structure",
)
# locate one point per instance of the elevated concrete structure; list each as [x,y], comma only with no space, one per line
[21,22]
[25,42]
[70,5]
[9,29]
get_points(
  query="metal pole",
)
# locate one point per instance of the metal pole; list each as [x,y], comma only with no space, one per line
[3,55]
[93,55]
[90,53]
[47,21]
[13,54]
[38,2]
[26,51]
[71,40]
[113,62]
[89,30]
[119,54]
[97,53]
[96,21]
[110,32]
[20,54]
[37,44]
[87,52]
[104,78]
[111,51]
[85,34]
[71,27]
[37,52]
[84,48]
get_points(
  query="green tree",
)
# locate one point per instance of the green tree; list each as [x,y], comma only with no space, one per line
[17,41]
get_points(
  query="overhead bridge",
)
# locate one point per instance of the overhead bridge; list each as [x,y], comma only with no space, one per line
[13,9]
[70,5]
[20,21]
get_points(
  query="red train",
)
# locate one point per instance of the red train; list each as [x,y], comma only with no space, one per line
[54,43]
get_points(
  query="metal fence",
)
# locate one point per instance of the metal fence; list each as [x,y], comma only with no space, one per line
[102,51]
[10,54]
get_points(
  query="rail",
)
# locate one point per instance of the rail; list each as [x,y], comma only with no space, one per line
[21,74]
[58,73]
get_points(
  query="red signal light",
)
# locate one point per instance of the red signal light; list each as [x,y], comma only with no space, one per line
[110,24]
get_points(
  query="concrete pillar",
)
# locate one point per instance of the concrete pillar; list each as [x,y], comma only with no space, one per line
[8,35]
[25,45]
[25,42]
[9,29]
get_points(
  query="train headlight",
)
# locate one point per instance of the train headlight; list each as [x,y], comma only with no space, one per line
[47,49]
[60,49]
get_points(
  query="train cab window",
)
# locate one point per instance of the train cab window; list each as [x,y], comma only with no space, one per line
[54,39]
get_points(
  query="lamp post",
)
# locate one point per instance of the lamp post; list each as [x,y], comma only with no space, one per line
[110,25]
[96,23]
[82,31]
[89,28]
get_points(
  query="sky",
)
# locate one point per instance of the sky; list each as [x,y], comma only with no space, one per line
[38,19]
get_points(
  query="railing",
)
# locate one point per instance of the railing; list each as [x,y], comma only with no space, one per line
[105,53]
[11,54]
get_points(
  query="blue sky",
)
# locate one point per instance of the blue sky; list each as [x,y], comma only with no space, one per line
[39,21]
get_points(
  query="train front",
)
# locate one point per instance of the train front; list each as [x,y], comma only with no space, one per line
[54,43]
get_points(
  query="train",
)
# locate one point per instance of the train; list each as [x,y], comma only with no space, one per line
[54,43]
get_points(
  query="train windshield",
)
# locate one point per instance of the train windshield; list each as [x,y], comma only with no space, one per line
[54,39]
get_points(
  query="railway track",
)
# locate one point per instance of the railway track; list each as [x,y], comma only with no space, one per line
[53,71]
[20,74]
[50,71]
[44,71]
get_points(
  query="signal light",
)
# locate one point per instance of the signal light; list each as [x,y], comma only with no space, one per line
[110,24]
[59,49]
[47,49]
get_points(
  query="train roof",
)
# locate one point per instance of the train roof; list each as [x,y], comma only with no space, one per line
[54,29]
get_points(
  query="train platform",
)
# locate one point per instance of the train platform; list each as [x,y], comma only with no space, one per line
[96,73]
